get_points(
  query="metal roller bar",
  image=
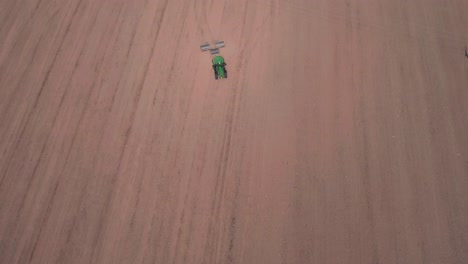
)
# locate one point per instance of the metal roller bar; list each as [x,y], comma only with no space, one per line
[219,44]
[205,47]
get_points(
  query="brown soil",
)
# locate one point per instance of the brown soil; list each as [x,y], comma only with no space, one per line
[340,135]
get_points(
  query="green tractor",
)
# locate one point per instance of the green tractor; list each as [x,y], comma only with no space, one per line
[219,65]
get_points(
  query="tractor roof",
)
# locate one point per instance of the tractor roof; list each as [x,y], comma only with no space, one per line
[218,59]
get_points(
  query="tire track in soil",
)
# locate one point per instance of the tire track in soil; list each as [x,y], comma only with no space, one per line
[105,216]
[219,198]
[41,155]
[38,96]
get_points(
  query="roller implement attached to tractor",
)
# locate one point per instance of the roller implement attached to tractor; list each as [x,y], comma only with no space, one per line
[219,65]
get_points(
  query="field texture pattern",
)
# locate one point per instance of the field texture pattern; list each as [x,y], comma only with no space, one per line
[340,136]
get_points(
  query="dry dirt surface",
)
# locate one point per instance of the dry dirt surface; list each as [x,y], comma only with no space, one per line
[340,135]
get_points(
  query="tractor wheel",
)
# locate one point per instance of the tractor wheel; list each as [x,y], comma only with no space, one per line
[216,75]
[225,73]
